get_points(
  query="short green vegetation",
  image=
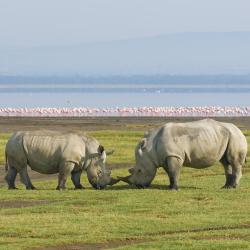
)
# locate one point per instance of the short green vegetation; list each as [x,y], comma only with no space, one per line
[3,140]
[198,216]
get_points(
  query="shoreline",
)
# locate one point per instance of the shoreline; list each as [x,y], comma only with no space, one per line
[11,124]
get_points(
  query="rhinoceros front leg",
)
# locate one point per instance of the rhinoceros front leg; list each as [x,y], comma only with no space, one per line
[25,179]
[64,171]
[11,177]
[173,167]
[76,179]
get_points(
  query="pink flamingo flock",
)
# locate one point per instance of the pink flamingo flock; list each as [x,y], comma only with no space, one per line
[205,111]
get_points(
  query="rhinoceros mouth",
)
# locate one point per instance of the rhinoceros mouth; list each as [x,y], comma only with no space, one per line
[128,180]
[96,186]
[111,183]
[125,179]
[141,186]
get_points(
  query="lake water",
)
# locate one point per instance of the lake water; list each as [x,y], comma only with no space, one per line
[122,100]
[121,96]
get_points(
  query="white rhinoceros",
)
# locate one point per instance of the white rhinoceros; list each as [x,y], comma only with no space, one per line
[197,144]
[50,152]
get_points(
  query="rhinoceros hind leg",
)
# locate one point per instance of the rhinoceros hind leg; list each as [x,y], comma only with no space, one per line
[237,174]
[25,179]
[228,174]
[233,173]
[76,179]
[173,167]
[65,169]
[11,177]
[230,179]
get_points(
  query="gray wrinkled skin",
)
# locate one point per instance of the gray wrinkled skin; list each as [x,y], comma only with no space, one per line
[197,144]
[50,152]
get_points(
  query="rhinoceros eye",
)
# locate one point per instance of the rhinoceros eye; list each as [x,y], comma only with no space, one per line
[99,172]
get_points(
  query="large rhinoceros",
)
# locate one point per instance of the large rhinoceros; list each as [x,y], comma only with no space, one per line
[50,152]
[197,144]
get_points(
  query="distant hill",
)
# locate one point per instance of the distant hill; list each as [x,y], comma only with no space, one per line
[176,54]
[132,80]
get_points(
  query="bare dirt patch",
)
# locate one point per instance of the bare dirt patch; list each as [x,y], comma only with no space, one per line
[20,203]
[198,230]
[220,238]
[11,124]
[95,246]
[34,176]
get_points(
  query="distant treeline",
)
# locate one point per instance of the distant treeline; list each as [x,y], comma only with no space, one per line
[134,79]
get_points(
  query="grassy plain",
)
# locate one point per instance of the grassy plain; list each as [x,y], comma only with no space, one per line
[199,216]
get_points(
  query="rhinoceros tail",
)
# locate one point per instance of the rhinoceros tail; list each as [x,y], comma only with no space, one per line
[6,162]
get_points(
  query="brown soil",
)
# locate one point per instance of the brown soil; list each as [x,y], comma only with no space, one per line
[198,230]
[95,246]
[34,176]
[20,203]
[11,124]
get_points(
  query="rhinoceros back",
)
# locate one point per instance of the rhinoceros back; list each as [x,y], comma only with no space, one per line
[200,143]
[45,151]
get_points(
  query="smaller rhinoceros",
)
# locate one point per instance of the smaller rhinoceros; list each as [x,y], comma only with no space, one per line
[50,152]
[197,144]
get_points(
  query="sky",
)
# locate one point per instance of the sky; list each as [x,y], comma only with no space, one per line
[30,23]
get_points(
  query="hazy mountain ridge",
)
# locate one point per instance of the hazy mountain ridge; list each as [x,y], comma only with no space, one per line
[131,80]
[174,54]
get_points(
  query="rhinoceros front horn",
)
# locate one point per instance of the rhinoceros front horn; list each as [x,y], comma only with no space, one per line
[125,179]
[113,181]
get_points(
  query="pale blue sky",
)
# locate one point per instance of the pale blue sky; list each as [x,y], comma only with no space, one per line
[63,22]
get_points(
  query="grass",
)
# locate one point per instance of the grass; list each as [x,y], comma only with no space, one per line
[199,216]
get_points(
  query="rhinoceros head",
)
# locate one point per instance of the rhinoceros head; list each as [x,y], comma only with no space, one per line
[97,172]
[144,172]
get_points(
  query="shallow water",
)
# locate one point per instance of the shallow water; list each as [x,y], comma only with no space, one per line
[29,100]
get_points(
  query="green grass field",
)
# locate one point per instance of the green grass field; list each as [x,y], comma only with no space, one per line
[199,216]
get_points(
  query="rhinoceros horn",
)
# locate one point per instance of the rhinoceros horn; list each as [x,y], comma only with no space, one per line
[125,179]
[113,181]
[91,156]
[102,155]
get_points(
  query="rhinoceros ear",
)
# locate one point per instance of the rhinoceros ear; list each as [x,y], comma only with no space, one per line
[103,156]
[131,170]
[100,149]
[143,143]
[142,146]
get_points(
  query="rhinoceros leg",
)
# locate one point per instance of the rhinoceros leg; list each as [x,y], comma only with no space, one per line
[237,174]
[232,172]
[11,177]
[173,167]
[76,179]
[228,174]
[25,178]
[64,171]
